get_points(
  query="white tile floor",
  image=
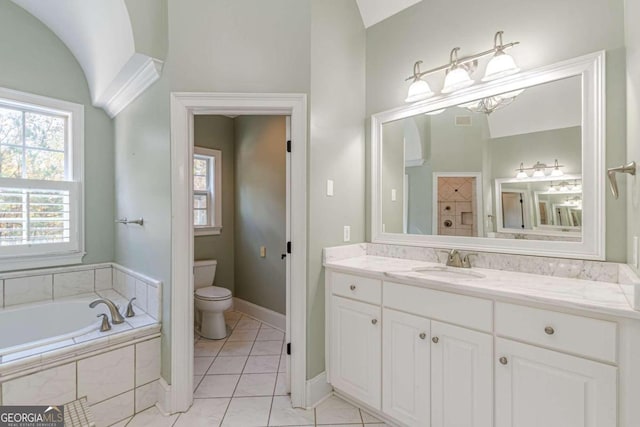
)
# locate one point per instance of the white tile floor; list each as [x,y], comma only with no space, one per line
[239,382]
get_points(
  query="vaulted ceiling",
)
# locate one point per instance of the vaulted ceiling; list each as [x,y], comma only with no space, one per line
[374,11]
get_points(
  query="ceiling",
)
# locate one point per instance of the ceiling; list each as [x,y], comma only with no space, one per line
[374,11]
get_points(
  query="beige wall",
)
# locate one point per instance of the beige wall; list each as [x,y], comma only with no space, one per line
[260,210]
[217,132]
[549,31]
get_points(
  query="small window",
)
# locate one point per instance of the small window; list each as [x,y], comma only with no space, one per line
[41,142]
[207,196]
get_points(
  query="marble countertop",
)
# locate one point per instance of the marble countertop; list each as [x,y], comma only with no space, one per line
[593,296]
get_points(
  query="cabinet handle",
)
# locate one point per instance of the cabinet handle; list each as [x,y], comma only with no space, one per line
[549,330]
[435,340]
[374,321]
[422,335]
[503,360]
[352,287]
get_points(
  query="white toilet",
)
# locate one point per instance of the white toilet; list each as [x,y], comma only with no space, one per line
[211,301]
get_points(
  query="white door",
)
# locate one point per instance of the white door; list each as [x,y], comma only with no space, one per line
[405,367]
[537,387]
[461,377]
[355,349]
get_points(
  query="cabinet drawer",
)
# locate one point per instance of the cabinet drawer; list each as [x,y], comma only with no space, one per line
[472,312]
[575,334]
[356,287]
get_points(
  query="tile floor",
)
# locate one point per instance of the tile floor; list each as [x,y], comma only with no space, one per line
[240,382]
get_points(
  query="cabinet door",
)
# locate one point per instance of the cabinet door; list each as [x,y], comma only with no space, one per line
[461,377]
[405,367]
[355,349]
[538,387]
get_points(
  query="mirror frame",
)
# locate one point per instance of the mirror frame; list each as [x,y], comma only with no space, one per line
[591,68]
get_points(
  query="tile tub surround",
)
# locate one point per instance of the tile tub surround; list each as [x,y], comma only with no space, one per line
[597,297]
[117,382]
[22,287]
[558,267]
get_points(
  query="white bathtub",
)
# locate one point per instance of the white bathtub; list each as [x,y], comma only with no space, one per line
[24,328]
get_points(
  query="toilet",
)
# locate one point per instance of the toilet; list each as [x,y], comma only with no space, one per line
[210,301]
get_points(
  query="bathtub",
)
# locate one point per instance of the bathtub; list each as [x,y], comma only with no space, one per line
[40,325]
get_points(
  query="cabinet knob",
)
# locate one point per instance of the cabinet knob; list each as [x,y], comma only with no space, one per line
[435,340]
[503,360]
[374,321]
[549,330]
[352,287]
[422,335]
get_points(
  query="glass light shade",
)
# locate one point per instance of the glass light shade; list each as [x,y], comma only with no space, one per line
[564,187]
[418,91]
[577,187]
[522,175]
[456,79]
[538,173]
[552,189]
[501,65]
[557,172]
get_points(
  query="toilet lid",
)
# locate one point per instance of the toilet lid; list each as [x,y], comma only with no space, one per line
[213,293]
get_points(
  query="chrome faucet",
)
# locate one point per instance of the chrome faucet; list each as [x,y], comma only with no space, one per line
[116,317]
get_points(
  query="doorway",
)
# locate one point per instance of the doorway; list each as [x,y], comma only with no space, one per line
[184,107]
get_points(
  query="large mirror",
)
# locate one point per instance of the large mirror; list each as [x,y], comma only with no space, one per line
[513,165]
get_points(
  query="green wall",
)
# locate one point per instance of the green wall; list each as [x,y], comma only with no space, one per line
[35,60]
[218,132]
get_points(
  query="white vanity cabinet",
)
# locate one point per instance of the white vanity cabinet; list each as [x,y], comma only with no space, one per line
[355,349]
[419,356]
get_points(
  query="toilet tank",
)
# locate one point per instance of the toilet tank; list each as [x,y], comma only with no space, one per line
[204,272]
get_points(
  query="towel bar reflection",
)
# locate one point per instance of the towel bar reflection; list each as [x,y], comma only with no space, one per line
[124,220]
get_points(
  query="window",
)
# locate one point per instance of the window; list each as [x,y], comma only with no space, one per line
[41,172]
[207,195]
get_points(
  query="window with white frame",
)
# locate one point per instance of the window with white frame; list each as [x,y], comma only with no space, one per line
[207,195]
[41,173]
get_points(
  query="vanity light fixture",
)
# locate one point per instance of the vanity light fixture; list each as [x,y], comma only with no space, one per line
[419,89]
[577,186]
[459,70]
[502,64]
[539,170]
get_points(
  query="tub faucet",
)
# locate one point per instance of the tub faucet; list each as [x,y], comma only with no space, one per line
[116,317]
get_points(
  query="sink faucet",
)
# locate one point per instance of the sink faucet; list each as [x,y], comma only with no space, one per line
[453,258]
[116,317]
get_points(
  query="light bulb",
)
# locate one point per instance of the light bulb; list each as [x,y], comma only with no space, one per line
[418,91]
[457,78]
[557,172]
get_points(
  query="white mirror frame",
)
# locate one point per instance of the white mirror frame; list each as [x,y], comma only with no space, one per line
[592,70]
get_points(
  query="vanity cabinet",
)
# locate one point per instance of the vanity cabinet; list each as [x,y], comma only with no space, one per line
[461,377]
[426,357]
[406,353]
[355,349]
[538,387]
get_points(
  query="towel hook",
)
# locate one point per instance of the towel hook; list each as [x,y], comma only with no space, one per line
[629,168]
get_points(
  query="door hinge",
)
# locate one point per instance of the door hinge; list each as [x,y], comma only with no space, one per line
[289,348]
[288,146]
[288,247]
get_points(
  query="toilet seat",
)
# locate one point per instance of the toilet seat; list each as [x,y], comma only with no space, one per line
[213,293]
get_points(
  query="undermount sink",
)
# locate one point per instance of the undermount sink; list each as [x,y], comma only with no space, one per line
[449,272]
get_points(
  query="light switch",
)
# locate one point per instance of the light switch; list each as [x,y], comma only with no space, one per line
[394,195]
[329,187]
[347,233]
[263,251]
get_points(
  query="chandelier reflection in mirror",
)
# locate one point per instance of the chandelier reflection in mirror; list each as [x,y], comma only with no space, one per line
[458,76]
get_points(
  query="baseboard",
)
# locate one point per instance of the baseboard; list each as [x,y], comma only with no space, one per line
[318,389]
[264,315]
[163,391]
